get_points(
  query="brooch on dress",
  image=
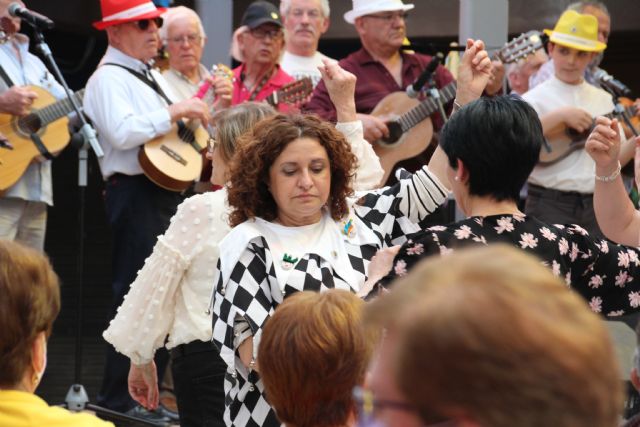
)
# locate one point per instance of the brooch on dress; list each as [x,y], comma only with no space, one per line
[288,261]
[348,229]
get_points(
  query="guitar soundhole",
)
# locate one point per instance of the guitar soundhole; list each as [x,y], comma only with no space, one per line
[576,135]
[29,124]
[395,133]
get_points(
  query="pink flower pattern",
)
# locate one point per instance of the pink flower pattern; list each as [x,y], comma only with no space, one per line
[607,275]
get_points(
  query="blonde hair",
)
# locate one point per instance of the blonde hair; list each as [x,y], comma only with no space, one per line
[313,351]
[29,303]
[492,334]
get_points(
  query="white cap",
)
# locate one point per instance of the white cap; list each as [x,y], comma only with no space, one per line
[367,7]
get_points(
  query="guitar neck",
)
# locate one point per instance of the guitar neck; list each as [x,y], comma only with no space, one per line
[426,108]
[59,109]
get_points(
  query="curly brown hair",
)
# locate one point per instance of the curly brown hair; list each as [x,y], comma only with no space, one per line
[248,191]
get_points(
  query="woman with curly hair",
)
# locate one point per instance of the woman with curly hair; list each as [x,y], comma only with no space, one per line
[297,228]
[170,295]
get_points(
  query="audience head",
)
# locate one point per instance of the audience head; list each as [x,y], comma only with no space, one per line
[230,124]
[29,304]
[492,145]
[287,169]
[490,337]
[380,24]
[305,21]
[184,38]
[260,38]
[313,352]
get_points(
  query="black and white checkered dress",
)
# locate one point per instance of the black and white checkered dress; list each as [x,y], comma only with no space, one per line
[251,283]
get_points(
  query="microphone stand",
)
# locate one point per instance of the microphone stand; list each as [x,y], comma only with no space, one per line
[77,398]
[434,93]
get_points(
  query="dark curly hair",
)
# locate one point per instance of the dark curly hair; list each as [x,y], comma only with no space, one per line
[248,191]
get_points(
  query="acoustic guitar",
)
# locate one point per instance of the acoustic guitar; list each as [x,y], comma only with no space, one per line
[563,140]
[408,119]
[174,160]
[47,119]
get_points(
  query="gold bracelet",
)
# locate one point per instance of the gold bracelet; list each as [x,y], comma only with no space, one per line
[612,177]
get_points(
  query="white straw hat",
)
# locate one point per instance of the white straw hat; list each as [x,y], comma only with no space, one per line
[367,7]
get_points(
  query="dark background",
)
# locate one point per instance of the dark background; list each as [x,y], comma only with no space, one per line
[77,48]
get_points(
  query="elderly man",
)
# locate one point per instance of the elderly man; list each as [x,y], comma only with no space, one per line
[184,38]
[23,206]
[518,73]
[489,337]
[130,104]
[258,44]
[380,66]
[305,21]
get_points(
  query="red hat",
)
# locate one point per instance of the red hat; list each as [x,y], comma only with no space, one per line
[120,11]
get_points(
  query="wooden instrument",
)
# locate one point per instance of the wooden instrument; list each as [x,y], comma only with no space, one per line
[292,93]
[47,119]
[563,140]
[410,129]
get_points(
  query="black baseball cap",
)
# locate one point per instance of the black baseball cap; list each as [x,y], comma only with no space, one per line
[261,12]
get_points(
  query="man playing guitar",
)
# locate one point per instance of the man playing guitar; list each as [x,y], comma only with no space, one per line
[130,104]
[23,206]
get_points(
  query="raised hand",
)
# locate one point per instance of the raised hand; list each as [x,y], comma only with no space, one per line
[474,72]
[143,385]
[603,145]
[341,85]
[223,88]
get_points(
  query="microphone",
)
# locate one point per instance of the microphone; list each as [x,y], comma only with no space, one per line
[607,81]
[414,89]
[30,17]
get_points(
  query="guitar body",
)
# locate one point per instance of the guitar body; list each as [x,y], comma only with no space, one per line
[561,141]
[409,144]
[55,136]
[170,161]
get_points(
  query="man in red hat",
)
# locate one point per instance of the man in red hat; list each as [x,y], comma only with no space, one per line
[130,104]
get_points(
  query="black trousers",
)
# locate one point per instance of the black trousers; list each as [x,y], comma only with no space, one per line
[562,207]
[138,211]
[198,377]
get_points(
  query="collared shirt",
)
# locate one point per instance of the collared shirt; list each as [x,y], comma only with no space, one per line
[28,69]
[182,86]
[374,82]
[241,93]
[299,67]
[125,111]
[547,70]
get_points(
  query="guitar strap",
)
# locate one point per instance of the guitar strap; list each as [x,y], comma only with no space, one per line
[44,152]
[5,77]
[183,130]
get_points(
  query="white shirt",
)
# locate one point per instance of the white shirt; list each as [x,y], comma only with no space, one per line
[35,184]
[181,85]
[303,66]
[576,171]
[173,289]
[125,111]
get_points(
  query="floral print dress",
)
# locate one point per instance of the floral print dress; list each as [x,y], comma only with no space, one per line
[606,274]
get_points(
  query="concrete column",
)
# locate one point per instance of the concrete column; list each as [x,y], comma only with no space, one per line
[487,20]
[217,19]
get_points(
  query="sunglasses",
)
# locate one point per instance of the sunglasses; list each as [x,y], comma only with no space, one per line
[143,24]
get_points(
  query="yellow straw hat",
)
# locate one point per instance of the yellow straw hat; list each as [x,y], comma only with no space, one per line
[577,31]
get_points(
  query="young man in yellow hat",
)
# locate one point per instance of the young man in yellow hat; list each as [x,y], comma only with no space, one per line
[562,192]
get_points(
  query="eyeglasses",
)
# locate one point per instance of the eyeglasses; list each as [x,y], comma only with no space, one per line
[263,33]
[311,13]
[143,24]
[367,405]
[192,39]
[390,17]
